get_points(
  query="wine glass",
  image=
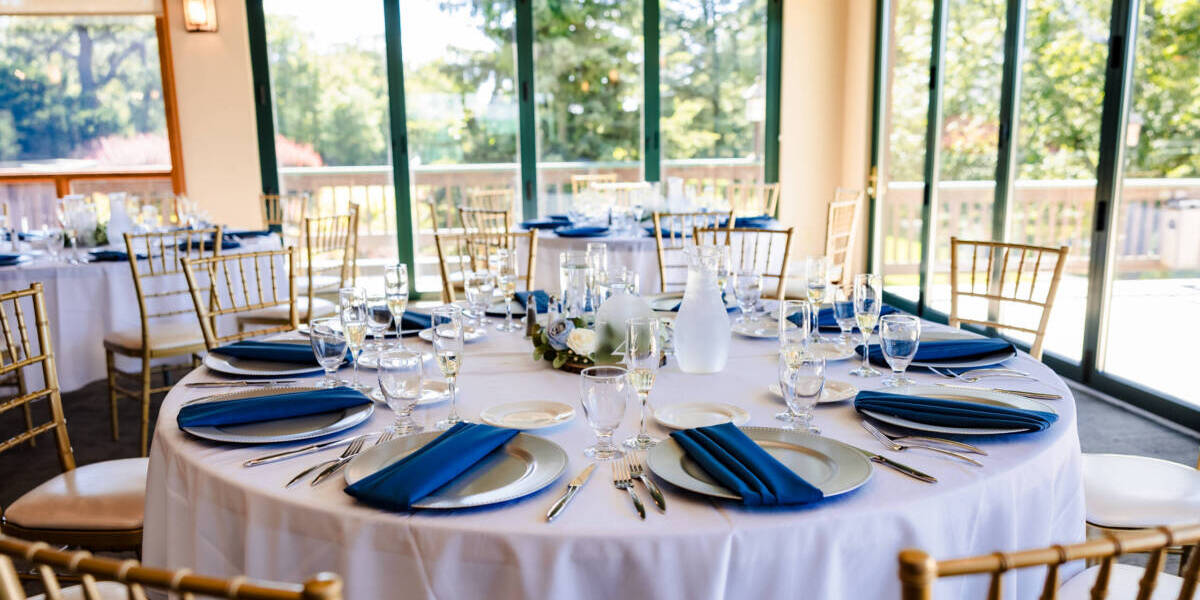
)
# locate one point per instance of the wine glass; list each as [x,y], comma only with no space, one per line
[899,336]
[395,285]
[816,276]
[329,346]
[400,374]
[479,286]
[352,309]
[379,320]
[643,353]
[603,391]
[794,323]
[868,300]
[447,330]
[801,379]
[747,289]
[506,278]
[843,313]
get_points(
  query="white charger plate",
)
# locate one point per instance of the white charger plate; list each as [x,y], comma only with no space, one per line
[256,368]
[470,334]
[371,361]
[964,395]
[832,350]
[686,415]
[432,392]
[760,329]
[665,302]
[834,391]
[282,430]
[530,414]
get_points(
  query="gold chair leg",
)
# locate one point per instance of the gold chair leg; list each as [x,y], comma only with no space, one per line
[1184,556]
[111,362]
[146,375]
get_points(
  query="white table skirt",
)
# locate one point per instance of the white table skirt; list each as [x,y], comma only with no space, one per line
[86,302]
[206,512]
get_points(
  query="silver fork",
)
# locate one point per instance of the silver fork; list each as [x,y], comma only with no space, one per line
[976,375]
[964,447]
[354,448]
[385,436]
[895,446]
[637,471]
[620,473]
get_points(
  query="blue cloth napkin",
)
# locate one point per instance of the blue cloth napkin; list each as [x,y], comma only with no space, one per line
[581,231]
[540,298]
[950,350]
[753,222]
[8,260]
[399,485]
[543,223]
[110,256]
[828,323]
[412,321]
[953,413]
[248,233]
[741,465]
[227,243]
[563,218]
[269,351]
[268,408]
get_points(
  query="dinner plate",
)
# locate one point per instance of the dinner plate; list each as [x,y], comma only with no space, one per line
[665,302]
[829,465]
[964,395]
[526,464]
[832,351]
[496,309]
[256,368]
[686,415]
[432,392]
[282,430]
[530,414]
[470,334]
[951,334]
[834,391]
[761,329]
[371,361]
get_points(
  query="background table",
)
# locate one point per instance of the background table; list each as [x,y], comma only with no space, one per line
[205,511]
[86,302]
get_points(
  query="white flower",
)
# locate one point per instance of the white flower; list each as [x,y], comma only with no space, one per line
[582,341]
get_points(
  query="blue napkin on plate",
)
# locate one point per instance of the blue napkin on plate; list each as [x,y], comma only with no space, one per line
[540,298]
[753,222]
[563,218]
[8,260]
[268,408]
[227,243]
[248,233]
[949,350]
[581,231]
[412,321]
[270,351]
[546,223]
[741,465]
[110,256]
[828,323]
[953,413]
[399,485]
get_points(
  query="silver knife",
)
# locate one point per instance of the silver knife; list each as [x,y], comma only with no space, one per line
[1022,393]
[572,488]
[238,383]
[293,453]
[907,470]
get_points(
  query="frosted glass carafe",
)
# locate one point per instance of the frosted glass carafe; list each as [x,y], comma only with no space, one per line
[702,327]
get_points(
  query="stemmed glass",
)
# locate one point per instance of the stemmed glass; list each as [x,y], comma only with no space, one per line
[643,353]
[479,286]
[899,336]
[747,289]
[843,313]
[868,300]
[395,285]
[329,346]
[352,309]
[724,267]
[573,275]
[506,276]
[379,320]
[603,391]
[597,263]
[816,276]
[448,347]
[801,379]
[794,323]
[400,375]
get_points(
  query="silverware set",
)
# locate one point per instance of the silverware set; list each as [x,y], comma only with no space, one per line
[624,472]
[623,481]
[901,443]
[240,383]
[1021,393]
[975,375]
[329,467]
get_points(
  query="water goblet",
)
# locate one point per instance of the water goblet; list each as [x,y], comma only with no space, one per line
[643,354]
[843,313]
[447,330]
[479,286]
[329,346]
[395,285]
[603,391]
[379,320]
[816,277]
[352,309]
[801,380]
[401,374]
[868,300]
[747,289]
[899,336]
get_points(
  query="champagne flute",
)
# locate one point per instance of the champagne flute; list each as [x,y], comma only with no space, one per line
[603,391]
[643,353]
[447,336]
[507,280]
[868,300]
[352,309]
[899,336]
[329,346]
[794,323]
[395,285]
[400,374]
[801,380]
[816,275]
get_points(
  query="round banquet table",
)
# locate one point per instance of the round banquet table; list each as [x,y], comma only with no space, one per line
[206,512]
[86,302]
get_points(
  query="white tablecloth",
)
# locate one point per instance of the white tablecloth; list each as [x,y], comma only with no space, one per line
[86,302]
[206,512]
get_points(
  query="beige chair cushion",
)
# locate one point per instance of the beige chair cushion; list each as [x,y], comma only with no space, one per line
[109,590]
[1122,584]
[102,496]
[1124,491]
[323,284]
[163,336]
[321,308]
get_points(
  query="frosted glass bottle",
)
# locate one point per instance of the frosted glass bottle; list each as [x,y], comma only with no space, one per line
[702,328]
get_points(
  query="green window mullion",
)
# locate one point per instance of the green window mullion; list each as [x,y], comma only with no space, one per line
[774,79]
[933,156]
[883,20]
[398,120]
[651,149]
[256,24]
[525,106]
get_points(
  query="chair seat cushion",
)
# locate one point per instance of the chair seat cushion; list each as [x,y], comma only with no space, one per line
[163,336]
[1123,583]
[321,284]
[321,308]
[102,496]
[1124,491]
[109,590]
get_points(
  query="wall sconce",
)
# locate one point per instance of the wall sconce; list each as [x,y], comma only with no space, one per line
[200,15]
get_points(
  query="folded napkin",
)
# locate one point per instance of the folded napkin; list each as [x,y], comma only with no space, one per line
[227,243]
[249,233]
[582,231]
[546,223]
[415,320]
[753,222]
[540,298]
[828,323]
[399,485]
[563,218]
[270,351]
[741,465]
[8,260]
[953,413]
[268,408]
[110,256]
[949,350]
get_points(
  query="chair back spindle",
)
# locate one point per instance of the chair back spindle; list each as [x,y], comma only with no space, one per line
[242,283]
[675,231]
[767,251]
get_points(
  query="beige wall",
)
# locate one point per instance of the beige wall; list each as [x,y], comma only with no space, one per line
[216,114]
[825,106]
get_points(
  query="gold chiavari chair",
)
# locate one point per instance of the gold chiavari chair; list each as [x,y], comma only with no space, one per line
[919,571]
[991,278]
[244,284]
[490,198]
[110,579]
[489,227]
[673,232]
[841,226]
[767,251]
[329,256]
[159,284]
[753,199]
[96,506]
[582,182]
[623,194]
[462,252]
[286,212]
